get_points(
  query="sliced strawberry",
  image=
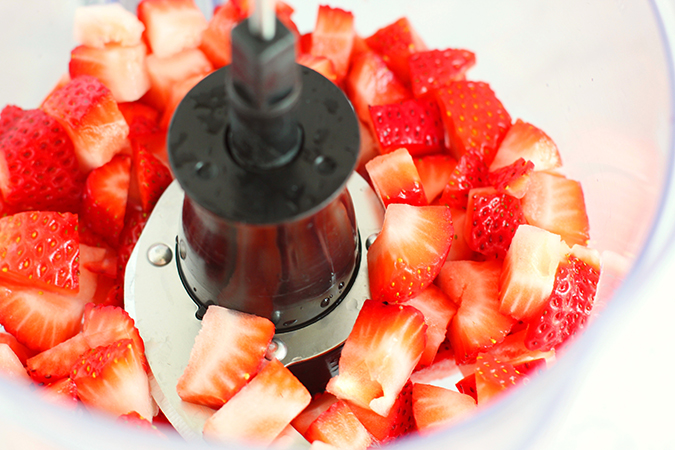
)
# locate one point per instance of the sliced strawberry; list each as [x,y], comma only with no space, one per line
[114,296]
[153,177]
[104,264]
[475,119]
[531,367]
[55,364]
[395,179]
[478,324]
[556,203]
[279,397]
[443,365]
[513,350]
[98,25]
[333,37]
[216,43]
[171,26]
[120,68]
[62,393]
[105,198]
[379,355]
[38,166]
[460,249]
[320,403]
[178,92]
[143,120]
[88,112]
[11,367]
[491,221]
[529,271]
[526,141]
[409,251]
[396,42]
[134,224]
[339,427]
[467,385]
[513,179]
[436,407]
[470,172]
[135,420]
[20,350]
[112,379]
[434,69]
[319,64]
[367,151]
[494,371]
[103,325]
[305,43]
[228,351]
[435,172]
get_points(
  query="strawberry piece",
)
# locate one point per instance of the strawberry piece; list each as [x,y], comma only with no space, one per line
[21,351]
[435,172]
[409,251]
[98,25]
[228,351]
[171,26]
[11,367]
[434,69]
[86,109]
[491,222]
[142,119]
[114,296]
[135,222]
[436,407]
[556,204]
[413,124]
[513,179]
[443,365]
[120,68]
[478,324]
[467,385]
[395,179]
[339,427]
[529,271]
[568,307]
[438,310]
[305,44]
[319,64]
[105,198]
[524,140]
[135,420]
[54,364]
[470,173]
[475,119]
[379,355]
[496,372]
[370,83]
[531,367]
[112,379]
[38,166]
[460,249]
[62,393]
[513,350]
[103,325]
[216,43]
[320,403]
[279,397]
[153,177]
[367,150]
[40,249]
[396,42]
[333,37]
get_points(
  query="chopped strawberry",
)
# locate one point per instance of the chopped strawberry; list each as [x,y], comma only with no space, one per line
[103,325]
[367,151]
[319,64]
[105,198]
[436,407]
[435,172]
[134,224]
[494,371]
[370,83]
[460,249]
[379,355]
[409,251]
[216,43]
[62,393]
[320,403]
[475,119]
[227,353]
[38,165]
[142,119]
[531,367]
[467,385]
[339,427]
[55,363]
[513,179]
[529,271]
[153,177]
[305,43]
[135,420]
[278,397]
[470,172]
[434,69]
[333,37]
[20,350]
[556,204]
[396,42]
[524,140]
[443,365]
[105,264]
[11,367]
[395,179]
[111,378]
[491,221]
[171,26]
[86,109]
[98,25]
[114,296]
[513,349]
[478,324]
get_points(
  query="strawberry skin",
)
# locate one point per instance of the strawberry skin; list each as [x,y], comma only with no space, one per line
[434,69]
[216,43]
[153,177]
[435,172]
[339,427]
[524,140]
[470,172]
[54,364]
[435,407]
[409,251]
[171,25]
[395,179]
[513,179]
[135,220]
[319,64]
[333,38]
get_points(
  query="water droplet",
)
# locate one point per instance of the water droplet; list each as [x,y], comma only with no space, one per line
[325,302]
[325,165]
[205,170]
[341,285]
[331,105]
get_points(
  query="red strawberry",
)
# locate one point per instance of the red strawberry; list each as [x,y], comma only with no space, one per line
[135,420]
[467,385]
[443,365]
[409,251]
[216,43]
[513,179]
[460,249]
[98,25]
[470,172]
[88,112]
[435,172]
[20,350]
[171,25]
[434,69]
[153,177]
[142,119]
[379,355]
[305,44]
[367,151]
[112,379]
[531,367]
[526,141]
[103,325]
[115,296]
[475,119]
[319,64]
[54,364]
[436,407]
[395,179]
[11,367]
[135,222]
[105,198]
[279,396]
[38,166]
[491,222]
[62,392]
[413,124]
[227,353]
[40,249]
[496,372]
[513,349]
[396,42]
[339,427]
[333,37]
[320,403]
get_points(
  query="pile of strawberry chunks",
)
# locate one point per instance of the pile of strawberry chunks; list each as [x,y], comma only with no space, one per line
[481,264]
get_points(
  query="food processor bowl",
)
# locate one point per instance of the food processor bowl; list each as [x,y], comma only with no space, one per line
[596,76]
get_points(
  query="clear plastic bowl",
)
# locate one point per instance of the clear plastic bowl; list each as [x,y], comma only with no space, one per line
[596,76]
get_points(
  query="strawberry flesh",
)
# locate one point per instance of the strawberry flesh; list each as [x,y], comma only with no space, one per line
[395,179]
